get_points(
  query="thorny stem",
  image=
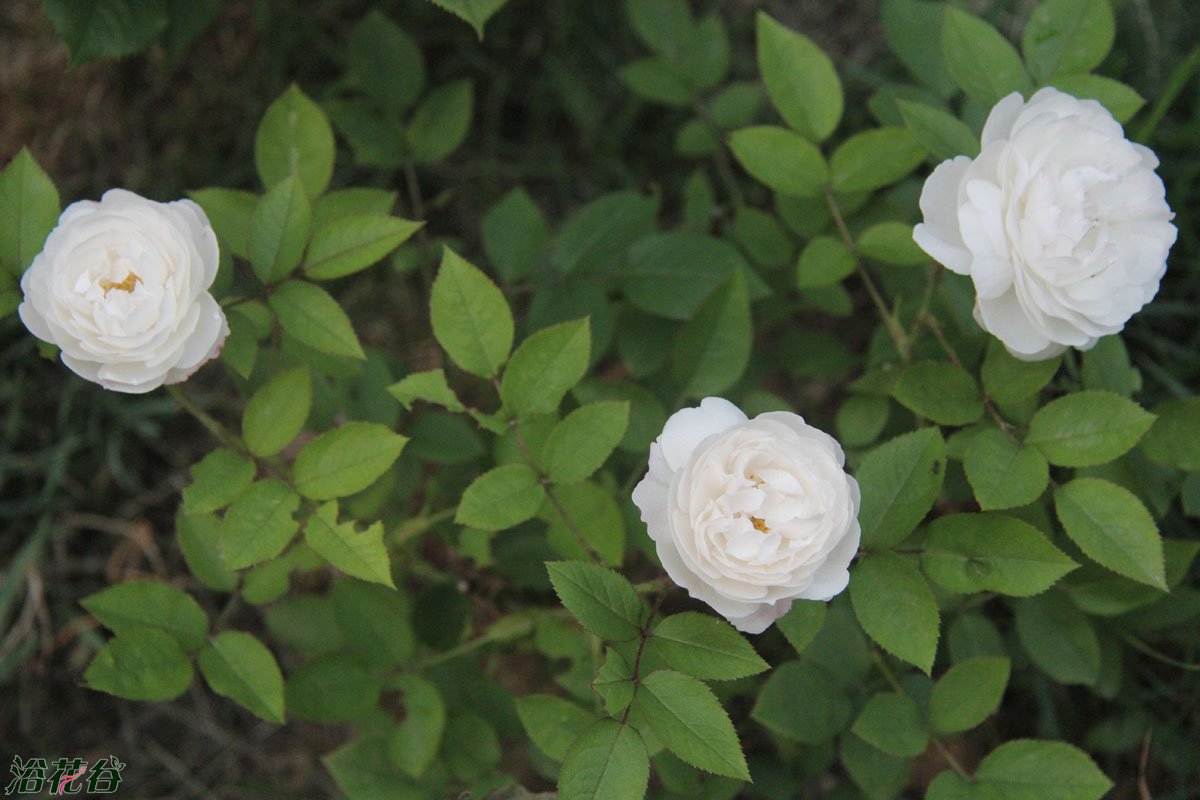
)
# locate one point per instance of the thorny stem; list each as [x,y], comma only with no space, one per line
[637,658]
[950,759]
[899,337]
[413,528]
[418,211]
[214,427]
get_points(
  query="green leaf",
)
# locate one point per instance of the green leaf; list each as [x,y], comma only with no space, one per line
[671,274]
[470,317]
[971,553]
[801,80]
[140,664]
[441,122]
[603,601]
[869,160]
[705,647]
[1067,36]
[1174,439]
[362,770]
[277,412]
[596,518]
[346,460]
[907,26]
[763,237]
[217,480]
[279,230]
[896,608]
[900,480]
[607,762]
[429,386]
[229,211]
[663,25]
[1087,428]
[1121,100]
[342,203]
[386,63]
[374,620]
[150,604]
[879,775]
[944,135]
[29,208]
[331,688]
[199,537]
[657,80]
[802,623]
[353,243]
[415,742]
[940,391]
[1107,366]
[238,666]
[310,315]
[545,367]
[359,554]
[891,722]
[614,683]
[801,700]
[823,262]
[514,235]
[981,61]
[861,418]
[94,29]
[294,138]
[1113,528]
[1007,379]
[780,160]
[891,243]
[501,498]
[583,441]
[686,717]
[1028,769]
[259,524]
[596,236]
[552,722]
[1003,473]
[968,693]
[713,349]
[1059,638]
[475,13]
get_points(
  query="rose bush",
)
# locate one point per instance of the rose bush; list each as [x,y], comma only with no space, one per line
[749,515]
[1060,222]
[121,286]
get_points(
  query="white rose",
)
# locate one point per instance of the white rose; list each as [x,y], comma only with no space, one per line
[121,286]
[749,515]
[1060,222]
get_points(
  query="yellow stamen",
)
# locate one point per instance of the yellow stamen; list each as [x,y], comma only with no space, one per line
[759,525]
[126,285]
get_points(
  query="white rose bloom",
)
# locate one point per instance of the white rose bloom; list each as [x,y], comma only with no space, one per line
[121,286]
[1060,222]
[749,515]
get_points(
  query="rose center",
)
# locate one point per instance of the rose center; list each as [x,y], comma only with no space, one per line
[125,285]
[760,525]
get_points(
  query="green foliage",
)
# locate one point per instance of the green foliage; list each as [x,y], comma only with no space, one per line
[686,717]
[654,226]
[968,693]
[900,482]
[1087,428]
[705,647]
[603,602]
[29,199]
[608,760]
[470,317]
[132,605]
[238,666]
[896,608]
